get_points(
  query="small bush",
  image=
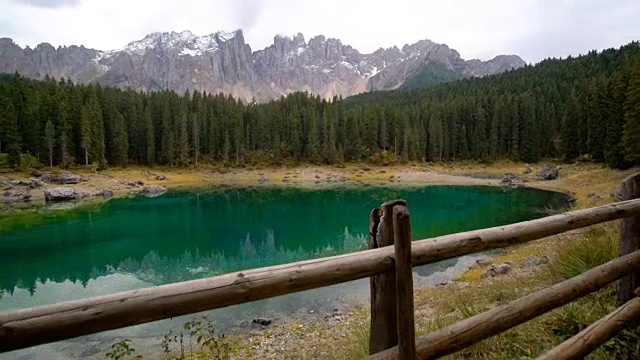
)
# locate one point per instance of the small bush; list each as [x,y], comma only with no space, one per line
[575,256]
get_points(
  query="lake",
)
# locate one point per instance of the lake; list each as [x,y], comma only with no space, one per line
[131,243]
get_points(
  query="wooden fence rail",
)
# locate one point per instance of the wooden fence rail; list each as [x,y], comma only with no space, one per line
[479,327]
[596,334]
[29,327]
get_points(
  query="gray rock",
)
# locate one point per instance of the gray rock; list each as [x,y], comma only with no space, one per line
[261,321]
[224,62]
[495,270]
[263,180]
[549,172]
[482,262]
[511,180]
[63,178]
[63,193]
[527,169]
[31,182]
[531,261]
[107,193]
[161,177]
[12,196]
[154,190]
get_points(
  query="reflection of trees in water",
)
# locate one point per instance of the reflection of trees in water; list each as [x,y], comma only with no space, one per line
[158,270]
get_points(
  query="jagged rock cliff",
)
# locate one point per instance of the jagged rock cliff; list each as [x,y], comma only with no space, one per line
[223,62]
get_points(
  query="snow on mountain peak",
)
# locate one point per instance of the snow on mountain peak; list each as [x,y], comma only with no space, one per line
[226,35]
[186,42]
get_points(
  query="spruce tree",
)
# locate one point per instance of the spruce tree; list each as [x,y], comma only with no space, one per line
[631,134]
[50,140]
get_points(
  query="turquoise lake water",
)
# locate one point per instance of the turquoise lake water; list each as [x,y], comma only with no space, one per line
[139,242]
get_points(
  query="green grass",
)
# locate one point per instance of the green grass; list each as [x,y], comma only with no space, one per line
[575,255]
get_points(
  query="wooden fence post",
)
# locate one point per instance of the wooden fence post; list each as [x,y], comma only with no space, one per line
[629,240]
[383,330]
[404,283]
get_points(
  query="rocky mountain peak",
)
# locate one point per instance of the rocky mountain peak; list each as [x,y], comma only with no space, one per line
[223,62]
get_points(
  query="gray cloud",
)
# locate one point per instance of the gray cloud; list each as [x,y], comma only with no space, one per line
[533,29]
[52,4]
[247,13]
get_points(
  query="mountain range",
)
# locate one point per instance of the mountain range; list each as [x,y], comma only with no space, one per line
[224,62]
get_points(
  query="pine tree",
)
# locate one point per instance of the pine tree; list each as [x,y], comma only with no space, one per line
[119,141]
[96,129]
[313,144]
[150,153]
[570,134]
[614,149]
[9,122]
[528,134]
[50,140]
[436,138]
[167,147]
[631,135]
[85,132]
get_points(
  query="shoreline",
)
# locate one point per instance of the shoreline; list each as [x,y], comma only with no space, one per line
[126,182]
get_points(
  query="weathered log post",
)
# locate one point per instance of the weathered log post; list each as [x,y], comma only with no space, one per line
[383,330]
[404,283]
[629,240]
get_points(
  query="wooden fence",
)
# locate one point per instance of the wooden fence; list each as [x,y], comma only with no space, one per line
[389,268]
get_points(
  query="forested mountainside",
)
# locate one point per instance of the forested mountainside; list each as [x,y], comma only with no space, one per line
[586,106]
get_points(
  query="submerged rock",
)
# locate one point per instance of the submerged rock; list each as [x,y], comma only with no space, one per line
[63,193]
[511,180]
[261,321]
[154,190]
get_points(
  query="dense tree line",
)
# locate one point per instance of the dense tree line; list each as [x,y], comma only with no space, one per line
[586,106]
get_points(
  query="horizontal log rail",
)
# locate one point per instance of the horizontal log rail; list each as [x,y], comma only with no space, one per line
[596,334]
[39,325]
[492,322]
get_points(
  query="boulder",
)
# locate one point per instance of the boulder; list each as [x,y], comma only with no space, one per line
[63,178]
[63,193]
[30,182]
[105,193]
[549,172]
[12,196]
[161,177]
[527,169]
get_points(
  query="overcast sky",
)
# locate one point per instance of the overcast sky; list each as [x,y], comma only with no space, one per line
[533,29]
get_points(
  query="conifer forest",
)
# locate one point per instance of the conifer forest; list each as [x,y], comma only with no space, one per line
[585,107]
